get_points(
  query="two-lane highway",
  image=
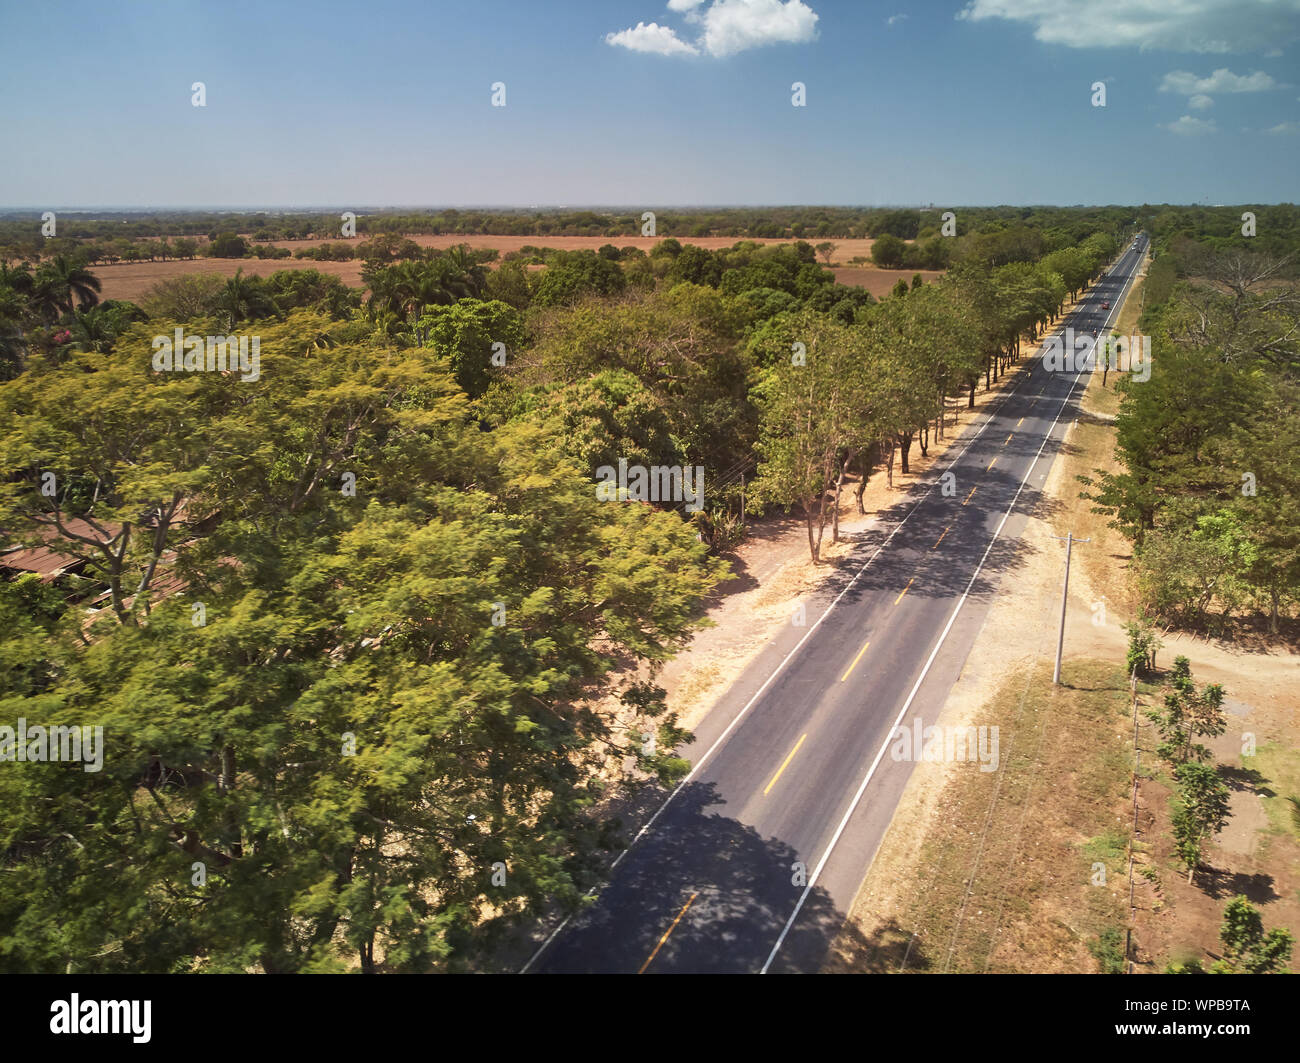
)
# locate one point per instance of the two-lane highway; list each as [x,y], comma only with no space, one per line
[752,862]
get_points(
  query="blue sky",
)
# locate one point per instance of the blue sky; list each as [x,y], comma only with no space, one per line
[389,102]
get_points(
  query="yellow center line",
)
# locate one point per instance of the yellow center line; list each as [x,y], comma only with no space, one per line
[972,491]
[787,760]
[855,661]
[1009,435]
[940,539]
[667,932]
[991,463]
[1020,422]
[904,591]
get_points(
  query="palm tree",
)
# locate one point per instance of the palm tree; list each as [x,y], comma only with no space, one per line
[47,300]
[93,330]
[386,322]
[406,289]
[67,283]
[13,350]
[19,278]
[384,283]
[473,278]
[15,308]
[424,287]
[244,299]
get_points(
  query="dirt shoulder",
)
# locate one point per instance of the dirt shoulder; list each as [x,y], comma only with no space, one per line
[775,573]
[1028,869]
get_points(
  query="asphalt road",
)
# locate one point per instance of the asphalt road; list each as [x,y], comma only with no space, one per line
[754,860]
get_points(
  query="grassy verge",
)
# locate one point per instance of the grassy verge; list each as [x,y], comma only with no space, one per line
[1026,869]
[1279,788]
[1104,401]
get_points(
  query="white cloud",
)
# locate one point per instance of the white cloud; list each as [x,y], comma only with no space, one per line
[1222,80]
[651,38]
[894,19]
[728,27]
[1200,102]
[1202,26]
[1187,126]
[732,26]
[1283,128]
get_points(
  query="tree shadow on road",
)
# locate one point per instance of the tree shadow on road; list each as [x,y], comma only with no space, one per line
[720,891]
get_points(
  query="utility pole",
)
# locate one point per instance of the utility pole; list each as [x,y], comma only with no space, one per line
[1070,540]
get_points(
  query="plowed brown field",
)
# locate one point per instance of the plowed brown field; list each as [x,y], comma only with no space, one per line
[130,280]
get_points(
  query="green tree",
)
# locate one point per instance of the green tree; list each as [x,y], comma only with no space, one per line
[350,741]
[1200,811]
[570,275]
[465,334]
[1189,713]
[244,299]
[184,298]
[229,245]
[508,283]
[1247,949]
[695,265]
[1143,645]
[887,251]
[683,345]
[818,411]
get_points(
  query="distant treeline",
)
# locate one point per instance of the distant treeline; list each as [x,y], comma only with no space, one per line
[21,234]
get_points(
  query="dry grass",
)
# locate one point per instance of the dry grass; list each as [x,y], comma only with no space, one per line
[130,280]
[1001,879]
[879,282]
[1004,876]
[844,249]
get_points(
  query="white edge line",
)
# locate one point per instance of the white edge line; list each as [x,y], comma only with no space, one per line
[934,478]
[821,864]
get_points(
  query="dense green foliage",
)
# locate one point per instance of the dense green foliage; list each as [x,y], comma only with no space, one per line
[1247,949]
[362,636]
[1210,489]
[405,621]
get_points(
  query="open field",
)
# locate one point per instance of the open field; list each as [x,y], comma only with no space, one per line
[130,280]
[844,249]
[879,281]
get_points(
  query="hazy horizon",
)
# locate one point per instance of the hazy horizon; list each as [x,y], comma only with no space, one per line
[315,208]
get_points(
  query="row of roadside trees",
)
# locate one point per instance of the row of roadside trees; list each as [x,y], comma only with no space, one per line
[837,395]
